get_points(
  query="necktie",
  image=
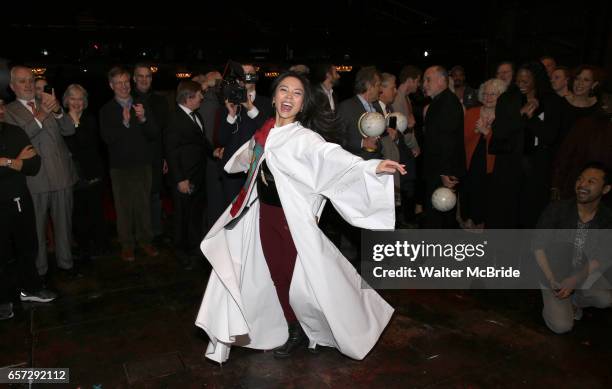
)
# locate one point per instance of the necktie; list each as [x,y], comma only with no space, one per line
[32,105]
[194,115]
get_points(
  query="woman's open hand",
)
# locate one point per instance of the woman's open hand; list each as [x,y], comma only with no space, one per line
[389,166]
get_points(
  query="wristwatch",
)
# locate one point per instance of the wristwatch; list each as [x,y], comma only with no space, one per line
[9,162]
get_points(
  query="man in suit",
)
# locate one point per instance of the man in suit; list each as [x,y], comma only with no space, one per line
[367,90]
[187,149]
[45,122]
[143,93]
[444,152]
[238,124]
[129,130]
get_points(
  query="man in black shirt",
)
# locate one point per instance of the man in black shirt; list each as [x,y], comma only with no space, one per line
[572,247]
[129,129]
[18,239]
[159,110]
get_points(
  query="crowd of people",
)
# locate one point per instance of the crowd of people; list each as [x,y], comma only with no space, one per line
[533,136]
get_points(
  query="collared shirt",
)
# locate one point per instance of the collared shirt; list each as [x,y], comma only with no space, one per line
[330,97]
[125,103]
[188,112]
[384,107]
[366,104]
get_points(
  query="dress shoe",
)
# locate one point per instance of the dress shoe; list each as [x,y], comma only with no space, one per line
[150,250]
[297,338]
[42,296]
[127,255]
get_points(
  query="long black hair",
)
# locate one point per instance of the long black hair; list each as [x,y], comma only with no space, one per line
[541,81]
[314,114]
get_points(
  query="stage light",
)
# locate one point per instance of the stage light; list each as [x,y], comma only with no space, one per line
[44,52]
[426,53]
[39,71]
[271,74]
[153,68]
[344,68]
[182,75]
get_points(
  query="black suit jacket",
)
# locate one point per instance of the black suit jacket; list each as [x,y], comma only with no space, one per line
[232,136]
[444,151]
[186,149]
[350,111]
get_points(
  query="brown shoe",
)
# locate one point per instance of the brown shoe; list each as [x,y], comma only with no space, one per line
[127,255]
[150,250]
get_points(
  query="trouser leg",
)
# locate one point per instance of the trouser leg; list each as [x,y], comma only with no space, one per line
[61,215]
[280,253]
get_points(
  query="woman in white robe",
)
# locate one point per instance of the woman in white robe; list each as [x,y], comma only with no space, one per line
[332,304]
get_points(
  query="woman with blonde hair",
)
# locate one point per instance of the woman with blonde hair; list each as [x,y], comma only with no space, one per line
[479,163]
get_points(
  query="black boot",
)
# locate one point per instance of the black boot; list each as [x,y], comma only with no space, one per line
[297,338]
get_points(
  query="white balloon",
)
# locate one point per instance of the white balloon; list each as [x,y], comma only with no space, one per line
[401,121]
[443,199]
[371,124]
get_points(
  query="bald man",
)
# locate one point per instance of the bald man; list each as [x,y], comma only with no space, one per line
[443,149]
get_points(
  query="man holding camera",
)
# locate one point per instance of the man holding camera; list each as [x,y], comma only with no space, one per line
[245,111]
[44,122]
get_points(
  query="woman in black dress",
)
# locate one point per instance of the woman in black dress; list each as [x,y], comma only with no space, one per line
[88,218]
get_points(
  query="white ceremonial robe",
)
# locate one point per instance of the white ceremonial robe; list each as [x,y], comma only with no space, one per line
[240,306]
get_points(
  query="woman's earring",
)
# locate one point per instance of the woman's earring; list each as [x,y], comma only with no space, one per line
[272,103]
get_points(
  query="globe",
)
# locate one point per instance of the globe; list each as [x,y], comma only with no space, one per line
[401,121]
[371,124]
[443,199]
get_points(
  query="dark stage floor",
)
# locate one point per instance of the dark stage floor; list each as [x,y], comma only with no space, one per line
[128,325]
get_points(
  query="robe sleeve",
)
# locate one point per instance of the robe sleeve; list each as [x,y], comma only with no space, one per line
[241,160]
[363,198]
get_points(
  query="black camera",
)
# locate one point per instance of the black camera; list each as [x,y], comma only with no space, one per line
[233,91]
[251,78]
[232,86]
[392,122]
[48,89]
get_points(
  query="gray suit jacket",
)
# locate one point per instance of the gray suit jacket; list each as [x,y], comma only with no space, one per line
[57,170]
[350,111]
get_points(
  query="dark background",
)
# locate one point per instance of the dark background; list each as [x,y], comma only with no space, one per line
[83,41]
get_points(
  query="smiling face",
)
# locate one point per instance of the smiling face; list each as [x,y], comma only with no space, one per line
[584,83]
[120,84]
[590,186]
[489,96]
[288,100]
[76,101]
[525,81]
